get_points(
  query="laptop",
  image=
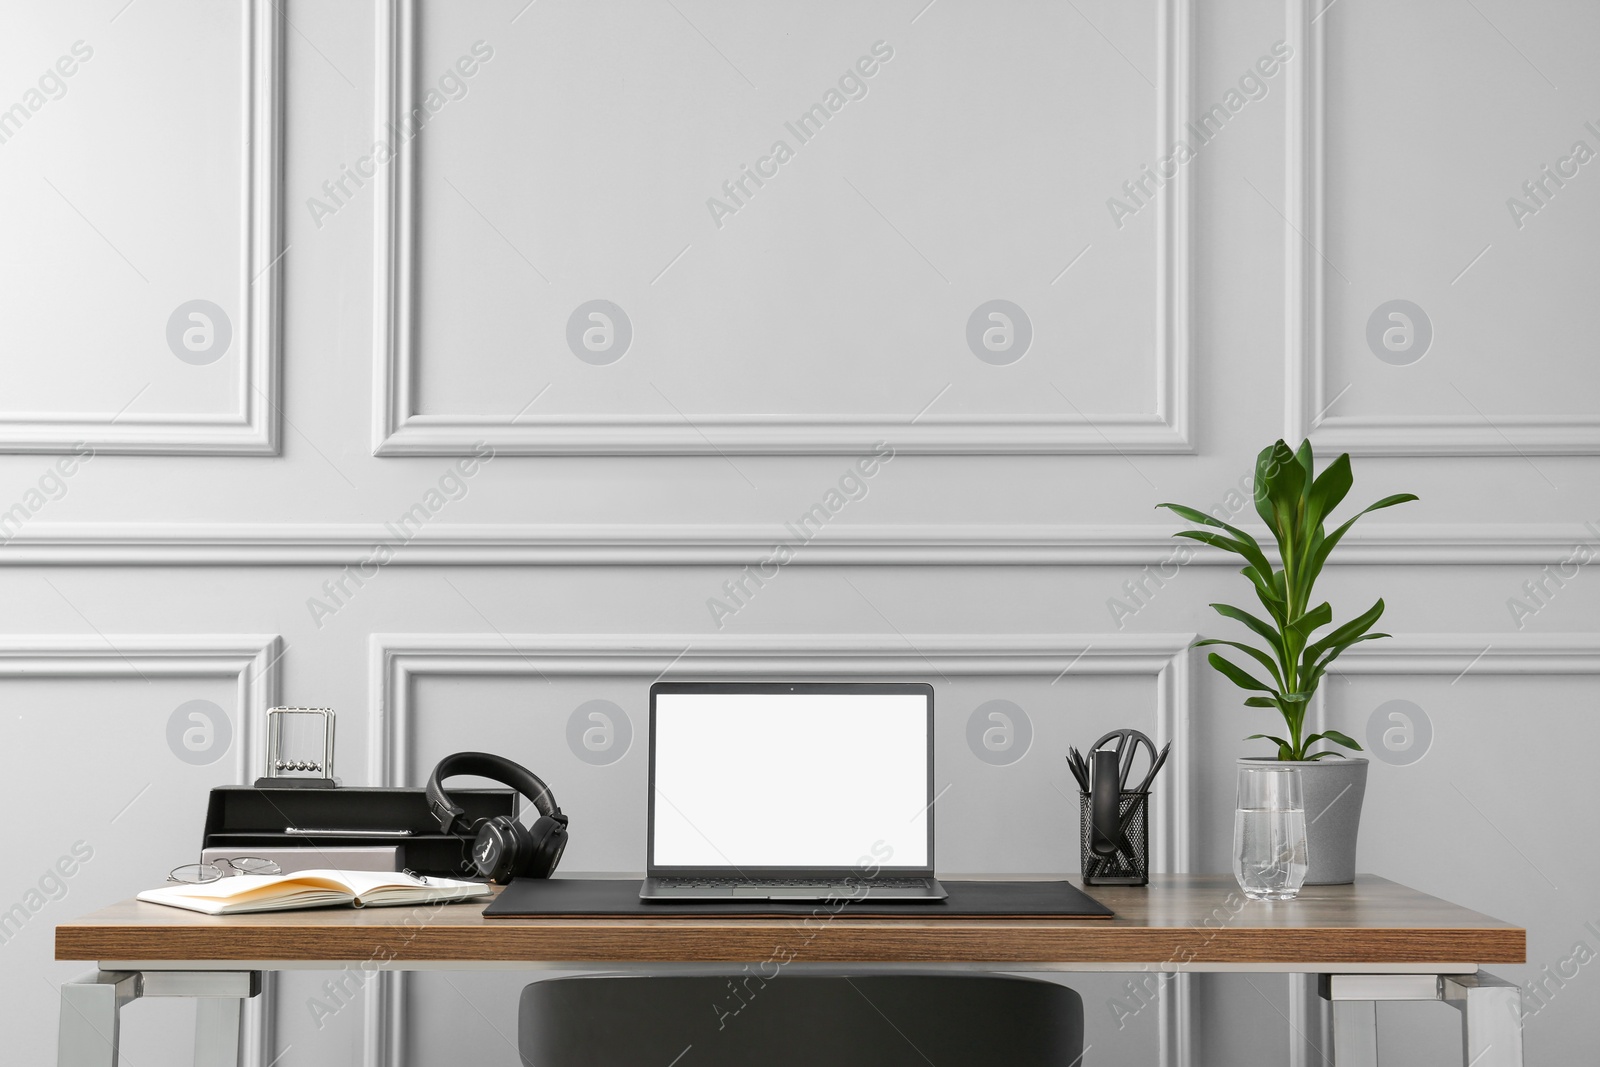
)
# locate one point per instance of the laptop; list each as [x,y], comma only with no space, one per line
[791,791]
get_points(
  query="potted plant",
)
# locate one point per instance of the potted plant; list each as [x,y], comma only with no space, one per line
[1294,500]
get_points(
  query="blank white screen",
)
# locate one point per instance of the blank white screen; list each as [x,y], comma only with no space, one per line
[791,780]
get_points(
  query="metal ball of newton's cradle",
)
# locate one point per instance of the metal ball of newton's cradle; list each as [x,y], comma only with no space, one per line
[299,765]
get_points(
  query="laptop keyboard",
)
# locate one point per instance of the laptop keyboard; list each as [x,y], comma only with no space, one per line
[718,883]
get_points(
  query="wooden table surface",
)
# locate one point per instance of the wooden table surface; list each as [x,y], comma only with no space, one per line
[1178,919]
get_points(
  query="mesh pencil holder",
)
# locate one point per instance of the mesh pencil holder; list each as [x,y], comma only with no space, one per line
[1130,864]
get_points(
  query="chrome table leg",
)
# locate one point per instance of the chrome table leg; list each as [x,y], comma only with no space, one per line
[1491,1018]
[91,1012]
[91,1009]
[216,1031]
[1491,1013]
[1355,1033]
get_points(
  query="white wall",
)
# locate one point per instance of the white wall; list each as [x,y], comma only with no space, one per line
[377,338]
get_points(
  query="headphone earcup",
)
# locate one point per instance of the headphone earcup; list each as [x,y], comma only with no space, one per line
[500,849]
[546,840]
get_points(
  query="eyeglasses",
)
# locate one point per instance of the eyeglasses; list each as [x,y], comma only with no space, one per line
[200,873]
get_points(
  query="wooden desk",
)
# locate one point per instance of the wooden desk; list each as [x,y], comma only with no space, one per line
[1374,940]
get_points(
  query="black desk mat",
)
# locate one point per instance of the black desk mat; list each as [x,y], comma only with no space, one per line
[548,898]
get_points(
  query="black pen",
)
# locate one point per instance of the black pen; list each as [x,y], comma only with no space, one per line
[1075,764]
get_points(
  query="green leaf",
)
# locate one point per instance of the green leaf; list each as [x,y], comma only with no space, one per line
[1391,501]
[1236,675]
[1263,474]
[1321,666]
[1310,678]
[1317,617]
[1216,540]
[1329,490]
[1321,555]
[1267,593]
[1284,751]
[1280,480]
[1308,464]
[1184,511]
[1307,569]
[1330,735]
[1268,633]
[1249,650]
[1334,652]
[1262,702]
[1248,546]
[1339,739]
[1347,633]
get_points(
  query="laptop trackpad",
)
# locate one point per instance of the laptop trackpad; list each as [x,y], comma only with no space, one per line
[769,892]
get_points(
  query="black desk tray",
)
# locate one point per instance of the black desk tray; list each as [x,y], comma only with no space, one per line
[241,816]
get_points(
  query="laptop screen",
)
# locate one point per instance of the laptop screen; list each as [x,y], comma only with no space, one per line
[807,775]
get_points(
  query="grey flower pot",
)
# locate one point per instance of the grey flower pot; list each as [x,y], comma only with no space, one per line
[1334,790]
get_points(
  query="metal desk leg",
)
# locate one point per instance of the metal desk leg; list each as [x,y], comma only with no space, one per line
[219,1006]
[1491,1018]
[1491,1013]
[1355,1009]
[91,1007]
[91,1010]
[1355,1033]
[216,1031]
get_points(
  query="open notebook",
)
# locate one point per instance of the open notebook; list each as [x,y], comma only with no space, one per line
[312,889]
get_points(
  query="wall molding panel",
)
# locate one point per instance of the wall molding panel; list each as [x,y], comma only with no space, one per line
[253,428]
[396,659]
[1305,375]
[399,430]
[738,545]
[250,661]
[1466,654]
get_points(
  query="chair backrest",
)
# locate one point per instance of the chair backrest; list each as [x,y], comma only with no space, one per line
[776,1019]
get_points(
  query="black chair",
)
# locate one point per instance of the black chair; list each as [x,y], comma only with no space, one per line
[760,1016]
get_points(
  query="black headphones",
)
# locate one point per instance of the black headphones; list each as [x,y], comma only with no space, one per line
[504,848]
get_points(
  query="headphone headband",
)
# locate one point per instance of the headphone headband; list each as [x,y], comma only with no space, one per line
[485,765]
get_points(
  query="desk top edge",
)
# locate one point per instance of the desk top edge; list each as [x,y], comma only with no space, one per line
[1174,905]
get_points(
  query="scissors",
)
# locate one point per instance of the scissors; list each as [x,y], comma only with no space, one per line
[1111,759]
[1126,746]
